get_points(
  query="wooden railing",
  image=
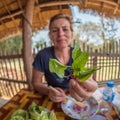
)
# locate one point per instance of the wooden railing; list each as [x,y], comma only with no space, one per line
[12,75]
[13,78]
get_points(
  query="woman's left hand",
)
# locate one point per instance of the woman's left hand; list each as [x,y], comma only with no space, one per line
[81,90]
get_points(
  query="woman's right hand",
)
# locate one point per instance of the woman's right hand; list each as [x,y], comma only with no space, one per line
[82,90]
[56,94]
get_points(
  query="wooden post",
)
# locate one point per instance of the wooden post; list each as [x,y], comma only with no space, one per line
[95,64]
[27,40]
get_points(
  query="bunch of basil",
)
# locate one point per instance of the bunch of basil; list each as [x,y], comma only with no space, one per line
[78,66]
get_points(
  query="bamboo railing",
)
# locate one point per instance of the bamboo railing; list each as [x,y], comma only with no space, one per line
[107,57]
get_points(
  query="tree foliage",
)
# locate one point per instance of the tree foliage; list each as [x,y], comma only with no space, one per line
[11,44]
[109,29]
[103,31]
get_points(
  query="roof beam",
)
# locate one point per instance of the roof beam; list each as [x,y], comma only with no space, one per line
[40,18]
[105,1]
[4,3]
[12,15]
[6,7]
[19,4]
[58,3]
[102,7]
[60,8]
[39,14]
[105,5]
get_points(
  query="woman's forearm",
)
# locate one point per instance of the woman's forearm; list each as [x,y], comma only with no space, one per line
[41,88]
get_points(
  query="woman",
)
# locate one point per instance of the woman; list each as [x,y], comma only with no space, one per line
[60,33]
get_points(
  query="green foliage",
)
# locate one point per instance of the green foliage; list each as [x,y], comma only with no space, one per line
[97,33]
[11,44]
[109,29]
[55,65]
[78,66]
[79,58]
[34,112]
[19,114]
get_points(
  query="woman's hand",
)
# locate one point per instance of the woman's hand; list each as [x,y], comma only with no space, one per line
[81,90]
[56,94]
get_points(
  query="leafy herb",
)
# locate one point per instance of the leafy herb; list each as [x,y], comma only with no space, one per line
[56,67]
[34,112]
[78,66]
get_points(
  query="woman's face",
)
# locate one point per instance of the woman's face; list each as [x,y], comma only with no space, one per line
[60,33]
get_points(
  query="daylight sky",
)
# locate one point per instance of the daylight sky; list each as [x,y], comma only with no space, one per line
[95,18]
[84,17]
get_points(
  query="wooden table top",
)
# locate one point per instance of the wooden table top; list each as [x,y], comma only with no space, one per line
[25,97]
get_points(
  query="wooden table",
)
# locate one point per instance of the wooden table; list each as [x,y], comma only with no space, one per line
[25,97]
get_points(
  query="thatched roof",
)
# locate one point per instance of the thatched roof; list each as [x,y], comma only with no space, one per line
[12,12]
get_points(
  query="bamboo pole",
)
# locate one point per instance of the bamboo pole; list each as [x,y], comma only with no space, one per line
[27,40]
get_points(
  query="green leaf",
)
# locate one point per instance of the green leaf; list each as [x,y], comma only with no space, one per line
[56,67]
[76,52]
[85,74]
[17,117]
[52,116]
[19,114]
[34,112]
[80,61]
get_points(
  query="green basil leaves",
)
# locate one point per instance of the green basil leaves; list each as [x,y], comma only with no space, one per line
[78,68]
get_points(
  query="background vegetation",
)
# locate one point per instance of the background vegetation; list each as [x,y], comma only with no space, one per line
[11,44]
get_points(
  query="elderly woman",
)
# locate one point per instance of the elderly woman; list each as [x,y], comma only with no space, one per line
[60,33]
